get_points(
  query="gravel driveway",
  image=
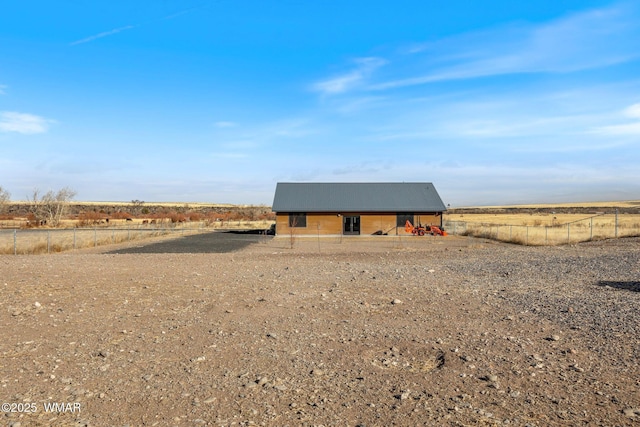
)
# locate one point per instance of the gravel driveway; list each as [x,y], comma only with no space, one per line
[205,243]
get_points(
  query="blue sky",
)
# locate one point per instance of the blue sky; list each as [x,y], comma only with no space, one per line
[495,102]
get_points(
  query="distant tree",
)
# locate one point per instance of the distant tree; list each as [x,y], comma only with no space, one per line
[5,198]
[137,207]
[51,206]
[36,213]
[293,223]
[58,203]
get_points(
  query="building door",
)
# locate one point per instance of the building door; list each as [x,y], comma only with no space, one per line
[351,225]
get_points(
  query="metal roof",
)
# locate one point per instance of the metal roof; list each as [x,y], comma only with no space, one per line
[357,197]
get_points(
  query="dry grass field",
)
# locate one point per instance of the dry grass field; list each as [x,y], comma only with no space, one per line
[542,219]
[50,241]
[596,205]
[542,225]
[68,237]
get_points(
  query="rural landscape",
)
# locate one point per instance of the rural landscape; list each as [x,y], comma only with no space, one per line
[76,225]
[297,213]
[214,328]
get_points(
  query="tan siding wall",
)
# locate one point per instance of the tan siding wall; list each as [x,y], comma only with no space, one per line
[316,224]
[331,223]
[282,221]
[370,223]
[324,224]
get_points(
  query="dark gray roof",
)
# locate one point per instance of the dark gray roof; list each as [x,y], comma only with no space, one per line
[357,197]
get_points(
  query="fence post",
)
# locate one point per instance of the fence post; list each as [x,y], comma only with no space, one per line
[591,229]
[526,240]
[616,223]
[568,233]
[510,227]
[15,241]
[48,241]
[546,235]
[74,238]
[95,237]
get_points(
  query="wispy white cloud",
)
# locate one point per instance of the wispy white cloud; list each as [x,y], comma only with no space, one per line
[183,12]
[591,39]
[353,105]
[624,129]
[633,111]
[11,121]
[630,129]
[276,131]
[516,122]
[103,34]
[364,168]
[130,27]
[239,142]
[491,185]
[292,128]
[351,79]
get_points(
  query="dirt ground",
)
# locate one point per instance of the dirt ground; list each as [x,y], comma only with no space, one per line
[360,332]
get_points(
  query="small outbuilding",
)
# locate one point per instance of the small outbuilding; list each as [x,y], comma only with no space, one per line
[355,208]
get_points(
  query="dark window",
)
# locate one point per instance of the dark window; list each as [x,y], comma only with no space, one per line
[351,225]
[297,220]
[402,219]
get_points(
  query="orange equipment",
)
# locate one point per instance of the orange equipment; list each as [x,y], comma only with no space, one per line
[416,231]
[437,230]
[421,231]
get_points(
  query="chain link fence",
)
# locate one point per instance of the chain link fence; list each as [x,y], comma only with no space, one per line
[19,241]
[597,227]
[29,241]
